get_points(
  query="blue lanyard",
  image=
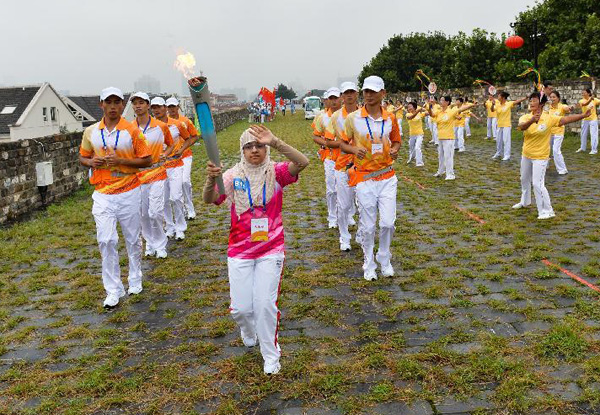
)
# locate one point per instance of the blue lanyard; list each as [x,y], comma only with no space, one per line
[250,195]
[147,124]
[104,142]
[371,133]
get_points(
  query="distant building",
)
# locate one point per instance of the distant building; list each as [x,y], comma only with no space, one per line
[34,111]
[240,93]
[217,99]
[147,84]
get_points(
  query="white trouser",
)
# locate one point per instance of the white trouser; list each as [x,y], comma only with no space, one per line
[428,122]
[400,126]
[262,118]
[468,126]
[534,172]
[330,190]
[414,149]
[503,142]
[592,127]
[174,197]
[153,210]
[559,160]
[187,186]
[107,210]
[459,135]
[446,158]
[254,289]
[346,208]
[434,133]
[492,126]
[373,196]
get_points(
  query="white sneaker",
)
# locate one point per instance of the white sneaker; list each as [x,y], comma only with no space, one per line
[461,150]
[546,215]
[370,275]
[408,161]
[450,177]
[495,156]
[563,172]
[180,236]
[438,174]
[420,165]
[431,142]
[170,234]
[112,299]
[505,158]
[135,289]
[593,152]
[345,247]
[149,252]
[161,254]
[580,150]
[388,271]
[272,369]
[191,216]
[332,225]
[250,342]
[518,206]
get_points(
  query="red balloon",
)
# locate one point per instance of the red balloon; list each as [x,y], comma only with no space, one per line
[514,42]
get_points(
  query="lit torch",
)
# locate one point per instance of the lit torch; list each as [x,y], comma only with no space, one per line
[186,63]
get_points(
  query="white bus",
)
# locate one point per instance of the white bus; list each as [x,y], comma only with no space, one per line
[312,106]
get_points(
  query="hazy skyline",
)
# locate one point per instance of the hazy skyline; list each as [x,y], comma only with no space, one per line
[85,46]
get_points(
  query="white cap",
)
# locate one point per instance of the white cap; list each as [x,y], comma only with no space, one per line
[373,83]
[333,91]
[157,101]
[111,90]
[141,95]
[172,101]
[347,86]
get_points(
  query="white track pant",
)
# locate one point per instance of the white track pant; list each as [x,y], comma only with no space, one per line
[400,127]
[187,186]
[492,127]
[592,128]
[125,209]
[559,160]
[459,135]
[330,191]
[346,208]
[446,158]
[415,150]
[534,172]
[434,133]
[174,201]
[376,196]
[468,126]
[153,211]
[254,289]
[503,140]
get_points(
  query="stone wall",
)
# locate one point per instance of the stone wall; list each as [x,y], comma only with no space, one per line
[570,90]
[19,193]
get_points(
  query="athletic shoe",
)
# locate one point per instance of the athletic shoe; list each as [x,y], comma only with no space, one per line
[580,150]
[370,275]
[135,289]
[112,299]
[486,138]
[431,142]
[272,369]
[161,253]
[518,206]
[495,156]
[180,236]
[438,174]
[191,216]
[469,136]
[461,150]
[593,152]
[505,158]
[332,225]
[450,177]
[546,215]
[388,271]
[408,161]
[420,165]
[170,234]
[150,252]
[250,342]
[345,247]
[563,172]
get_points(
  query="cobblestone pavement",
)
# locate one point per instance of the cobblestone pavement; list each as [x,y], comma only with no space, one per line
[474,322]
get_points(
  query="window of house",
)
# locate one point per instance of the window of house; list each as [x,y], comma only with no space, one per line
[45,113]
[52,113]
[9,109]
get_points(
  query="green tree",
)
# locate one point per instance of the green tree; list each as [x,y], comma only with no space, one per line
[284,92]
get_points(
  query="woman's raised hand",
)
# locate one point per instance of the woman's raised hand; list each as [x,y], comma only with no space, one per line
[262,134]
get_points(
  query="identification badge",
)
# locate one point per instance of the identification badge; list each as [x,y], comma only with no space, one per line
[239,184]
[259,229]
[376,148]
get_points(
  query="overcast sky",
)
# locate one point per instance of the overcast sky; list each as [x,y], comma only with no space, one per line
[83,46]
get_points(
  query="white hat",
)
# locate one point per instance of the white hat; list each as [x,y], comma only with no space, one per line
[157,101]
[141,95]
[333,91]
[111,90]
[172,101]
[373,83]
[347,86]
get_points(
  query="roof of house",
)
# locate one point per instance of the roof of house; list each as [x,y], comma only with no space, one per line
[90,104]
[20,97]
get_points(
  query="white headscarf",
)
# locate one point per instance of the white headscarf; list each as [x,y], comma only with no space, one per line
[258,176]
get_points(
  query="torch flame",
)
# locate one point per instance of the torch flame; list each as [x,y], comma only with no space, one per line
[186,64]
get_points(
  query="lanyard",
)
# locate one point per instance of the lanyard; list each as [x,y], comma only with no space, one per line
[371,133]
[147,124]
[250,195]
[104,142]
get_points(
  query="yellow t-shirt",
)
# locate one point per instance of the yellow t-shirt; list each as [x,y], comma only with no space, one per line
[536,139]
[592,105]
[390,108]
[488,107]
[445,122]
[400,113]
[504,112]
[415,126]
[460,119]
[559,111]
